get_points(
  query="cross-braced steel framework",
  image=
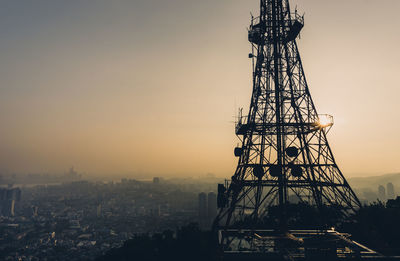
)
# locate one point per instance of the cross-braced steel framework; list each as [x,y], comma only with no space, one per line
[284,153]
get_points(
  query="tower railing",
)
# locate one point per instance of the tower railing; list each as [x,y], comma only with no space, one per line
[291,28]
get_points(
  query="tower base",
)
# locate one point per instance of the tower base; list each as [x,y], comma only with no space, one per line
[325,245]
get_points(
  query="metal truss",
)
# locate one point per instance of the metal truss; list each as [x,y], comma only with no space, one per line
[284,153]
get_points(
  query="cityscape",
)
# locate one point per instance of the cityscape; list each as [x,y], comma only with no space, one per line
[82,219]
[193,130]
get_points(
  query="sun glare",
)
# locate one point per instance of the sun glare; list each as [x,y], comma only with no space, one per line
[325,120]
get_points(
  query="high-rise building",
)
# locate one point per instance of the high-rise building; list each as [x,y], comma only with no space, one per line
[390,191]
[12,208]
[207,209]
[8,198]
[212,207]
[203,212]
[98,210]
[381,193]
[35,210]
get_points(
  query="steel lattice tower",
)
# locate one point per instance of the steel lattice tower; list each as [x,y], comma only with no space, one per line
[284,151]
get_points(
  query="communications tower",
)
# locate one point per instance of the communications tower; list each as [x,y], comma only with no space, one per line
[284,150]
[284,158]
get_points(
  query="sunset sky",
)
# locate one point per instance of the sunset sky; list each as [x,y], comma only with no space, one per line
[151,86]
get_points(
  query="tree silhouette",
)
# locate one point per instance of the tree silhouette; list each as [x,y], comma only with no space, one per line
[376,225]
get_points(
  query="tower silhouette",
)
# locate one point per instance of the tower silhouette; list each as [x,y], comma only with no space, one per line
[284,149]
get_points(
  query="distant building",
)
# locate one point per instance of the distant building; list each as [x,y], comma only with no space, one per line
[12,208]
[72,175]
[207,209]
[203,211]
[74,224]
[7,208]
[8,198]
[35,210]
[381,193]
[156,180]
[98,210]
[390,191]
[212,207]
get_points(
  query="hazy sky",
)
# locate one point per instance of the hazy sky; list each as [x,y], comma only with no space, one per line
[151,86]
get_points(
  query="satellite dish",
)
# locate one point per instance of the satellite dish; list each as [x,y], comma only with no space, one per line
[258,171]
[275,170]
[238,152]
[292,151]
[297,171]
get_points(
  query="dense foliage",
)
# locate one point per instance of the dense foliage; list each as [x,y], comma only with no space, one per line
[377,226]
[189,243]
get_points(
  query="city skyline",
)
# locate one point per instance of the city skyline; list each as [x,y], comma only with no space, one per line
[152,87]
